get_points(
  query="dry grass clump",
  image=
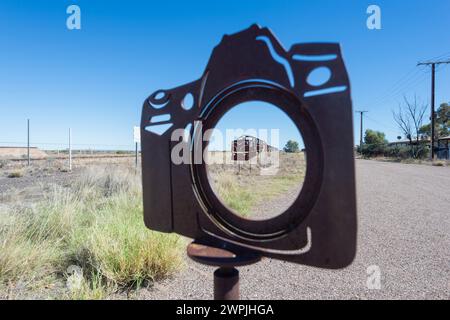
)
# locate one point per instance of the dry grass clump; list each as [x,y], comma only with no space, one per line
[16,174]
[96,225]
[440,163]
[3,163]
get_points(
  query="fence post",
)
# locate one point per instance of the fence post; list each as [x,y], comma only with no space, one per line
[136,157]
[28,141]
[70,150]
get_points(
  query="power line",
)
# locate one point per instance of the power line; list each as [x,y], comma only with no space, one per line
[398,84]
[411,84]
[435,63]
[443,56]
[408,84]
[409,80]
[381,124]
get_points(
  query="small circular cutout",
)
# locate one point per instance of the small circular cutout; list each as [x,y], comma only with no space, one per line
[319,76]
[188,101]
[160,95]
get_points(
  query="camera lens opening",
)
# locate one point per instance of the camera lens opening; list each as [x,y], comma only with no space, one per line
[257,98]
[256,160]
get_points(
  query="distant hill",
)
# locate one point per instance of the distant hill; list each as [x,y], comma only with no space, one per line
[21,153]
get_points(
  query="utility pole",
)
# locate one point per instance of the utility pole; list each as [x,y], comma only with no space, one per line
[28,141]
[70,150]
[136,158]
[361,113]
[433,65]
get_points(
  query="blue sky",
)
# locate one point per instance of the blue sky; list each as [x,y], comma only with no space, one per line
[94,80]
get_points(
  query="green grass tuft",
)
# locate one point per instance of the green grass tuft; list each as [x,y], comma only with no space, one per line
[97,225]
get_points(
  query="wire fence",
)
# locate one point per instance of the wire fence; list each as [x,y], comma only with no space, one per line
[64,145]
[42,152]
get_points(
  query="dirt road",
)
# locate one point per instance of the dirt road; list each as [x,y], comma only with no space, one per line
[404,230]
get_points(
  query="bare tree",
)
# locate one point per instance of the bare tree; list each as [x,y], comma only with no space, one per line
[409,118]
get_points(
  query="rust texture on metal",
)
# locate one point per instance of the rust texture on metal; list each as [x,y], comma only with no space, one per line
[319,229]
[226,284]
[221,257]
[226,257]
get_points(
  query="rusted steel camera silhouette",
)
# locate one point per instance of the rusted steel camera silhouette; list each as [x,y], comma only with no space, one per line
[319,228]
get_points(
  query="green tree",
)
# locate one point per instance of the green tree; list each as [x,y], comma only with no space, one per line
[374,137]
[442,122]
[291,147]
[375,144]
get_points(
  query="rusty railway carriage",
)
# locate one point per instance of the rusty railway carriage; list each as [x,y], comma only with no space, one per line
[247,147]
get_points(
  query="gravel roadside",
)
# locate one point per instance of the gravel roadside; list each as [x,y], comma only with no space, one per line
[269,209]
[404,229]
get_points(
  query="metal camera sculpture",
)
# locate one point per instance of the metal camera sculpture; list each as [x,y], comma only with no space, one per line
[319,228]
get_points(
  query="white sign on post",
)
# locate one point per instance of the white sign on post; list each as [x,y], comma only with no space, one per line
[137,134]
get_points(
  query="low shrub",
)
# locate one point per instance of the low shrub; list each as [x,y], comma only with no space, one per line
[439,163]
[394,151]
[15,174]
[3,163]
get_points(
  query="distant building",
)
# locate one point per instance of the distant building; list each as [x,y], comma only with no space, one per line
[443,148]
[404,143]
